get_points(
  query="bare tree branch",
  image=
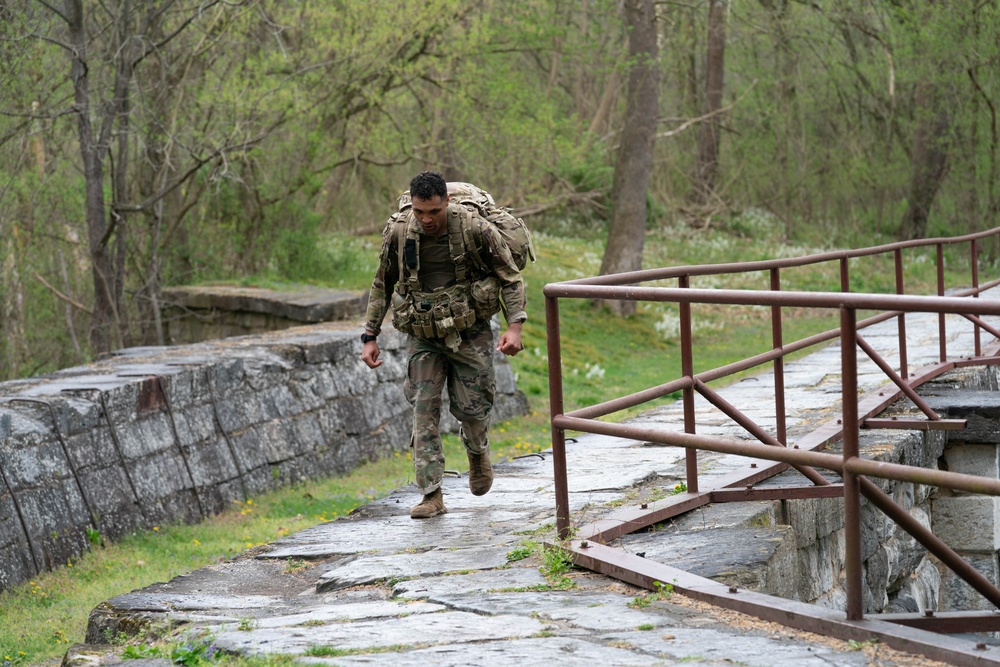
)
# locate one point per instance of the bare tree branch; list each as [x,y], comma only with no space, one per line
[694,121]
[70,301]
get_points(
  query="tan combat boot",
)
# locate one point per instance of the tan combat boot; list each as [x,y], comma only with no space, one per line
[480,472]
[431,505]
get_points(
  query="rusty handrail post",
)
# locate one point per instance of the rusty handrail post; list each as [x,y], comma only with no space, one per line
[845,276]
[974,259]
[687,370]
[901,320]
[777,340]
[942,332]
[852,488]
[555,410]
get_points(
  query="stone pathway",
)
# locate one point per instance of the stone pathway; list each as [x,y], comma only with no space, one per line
[377,588]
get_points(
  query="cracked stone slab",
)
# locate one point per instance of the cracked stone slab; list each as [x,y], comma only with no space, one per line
[341,613]
[545,651]
[496,518]
[435,588]
[354,536]
[164,602]
[734,550]
[590,610]
[715,646]
[369,570]
[453,627]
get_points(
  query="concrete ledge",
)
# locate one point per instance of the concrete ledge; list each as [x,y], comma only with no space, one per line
[194,314]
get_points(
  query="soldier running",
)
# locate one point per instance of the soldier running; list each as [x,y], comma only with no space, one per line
[455,272]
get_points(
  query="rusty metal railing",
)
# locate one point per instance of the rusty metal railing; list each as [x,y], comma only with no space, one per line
[586,546]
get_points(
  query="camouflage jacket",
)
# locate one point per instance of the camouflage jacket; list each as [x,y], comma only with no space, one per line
[493,251]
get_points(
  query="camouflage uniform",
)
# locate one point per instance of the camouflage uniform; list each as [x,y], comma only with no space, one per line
[468,371]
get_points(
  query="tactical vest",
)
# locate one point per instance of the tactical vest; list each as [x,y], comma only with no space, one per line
[446,312]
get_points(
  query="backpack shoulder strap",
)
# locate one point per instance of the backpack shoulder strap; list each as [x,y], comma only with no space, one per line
[472,237]
[409,266]
[458,219]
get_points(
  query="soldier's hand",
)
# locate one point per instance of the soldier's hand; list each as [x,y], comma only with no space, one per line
[369,354]
[510,341]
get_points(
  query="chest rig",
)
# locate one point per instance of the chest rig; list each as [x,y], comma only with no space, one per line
[445,312]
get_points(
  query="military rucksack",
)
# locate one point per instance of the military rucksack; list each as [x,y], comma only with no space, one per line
[512,230]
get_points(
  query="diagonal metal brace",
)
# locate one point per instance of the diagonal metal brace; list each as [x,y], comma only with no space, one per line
[718,401]
[903,385]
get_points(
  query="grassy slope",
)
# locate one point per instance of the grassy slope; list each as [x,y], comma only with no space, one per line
[602,357]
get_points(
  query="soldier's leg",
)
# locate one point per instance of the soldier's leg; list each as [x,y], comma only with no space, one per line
[424,381]
[471,387]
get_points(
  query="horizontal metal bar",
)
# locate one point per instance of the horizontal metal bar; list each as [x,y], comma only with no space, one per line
[628,520]
[777,493]
[915,424]
[858,466]
[977,361]
[785,263]
[647,573]
[955,622]
[858,301]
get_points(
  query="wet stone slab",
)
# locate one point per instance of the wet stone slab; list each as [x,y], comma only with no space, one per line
[715,647]
[164,602]
[733,550]
[342,613]
[347,537]
[369,570]
[516,506]
[453,627]
[589,610]
[436,588]
[534,652]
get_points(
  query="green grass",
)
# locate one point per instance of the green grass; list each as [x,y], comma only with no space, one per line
[603,357]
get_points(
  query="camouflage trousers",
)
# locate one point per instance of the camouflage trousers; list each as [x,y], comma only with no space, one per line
[469,375]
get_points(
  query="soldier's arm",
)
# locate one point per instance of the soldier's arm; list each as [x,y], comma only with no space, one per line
[384,282]
[386,276]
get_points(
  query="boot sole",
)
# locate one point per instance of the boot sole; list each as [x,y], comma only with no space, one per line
[428,516]
[481,492]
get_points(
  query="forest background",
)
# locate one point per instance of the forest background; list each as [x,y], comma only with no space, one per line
[161,142]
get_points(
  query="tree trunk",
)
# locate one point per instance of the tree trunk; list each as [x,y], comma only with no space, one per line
[626,235]
[103,332]
[708,138]
[929,161]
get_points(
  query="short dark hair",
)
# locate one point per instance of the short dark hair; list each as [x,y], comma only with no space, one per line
[427,185]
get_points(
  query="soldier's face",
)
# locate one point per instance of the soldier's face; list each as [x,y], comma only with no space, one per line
[432,214]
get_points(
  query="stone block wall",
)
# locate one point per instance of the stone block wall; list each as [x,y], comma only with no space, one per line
[969,524]
[155,435]
[892,559]
[900,575]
